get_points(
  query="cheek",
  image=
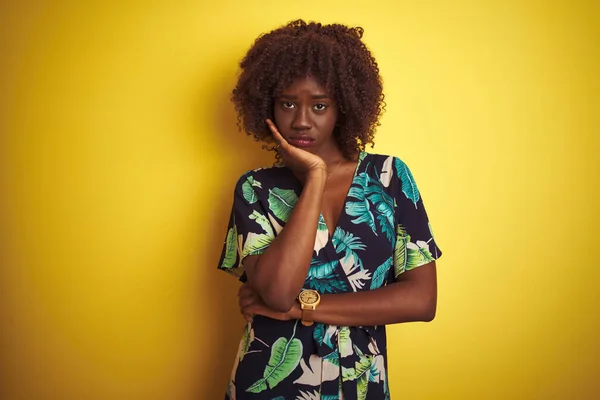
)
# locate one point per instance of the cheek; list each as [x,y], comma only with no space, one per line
[281,118]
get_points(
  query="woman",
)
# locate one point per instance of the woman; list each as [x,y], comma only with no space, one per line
[332,243]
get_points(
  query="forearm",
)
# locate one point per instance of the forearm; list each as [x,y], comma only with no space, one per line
[404,301]
[280,272]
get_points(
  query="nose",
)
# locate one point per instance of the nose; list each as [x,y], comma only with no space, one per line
[301,119]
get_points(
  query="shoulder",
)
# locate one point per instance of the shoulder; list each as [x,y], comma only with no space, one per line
[255,177]
[386,162]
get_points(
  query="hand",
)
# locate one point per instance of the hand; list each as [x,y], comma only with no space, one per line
[300,161]
[251,304]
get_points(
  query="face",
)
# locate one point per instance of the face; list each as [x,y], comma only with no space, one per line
[305,115]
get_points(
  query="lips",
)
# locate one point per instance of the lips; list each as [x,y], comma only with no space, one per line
[301,141]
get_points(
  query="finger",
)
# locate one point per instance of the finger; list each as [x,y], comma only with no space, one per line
[247,301]
[280,140]
[244,289]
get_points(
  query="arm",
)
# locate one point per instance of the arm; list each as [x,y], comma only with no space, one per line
[411,298]
[278,274]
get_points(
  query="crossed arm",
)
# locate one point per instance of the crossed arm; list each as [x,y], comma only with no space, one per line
[276,277]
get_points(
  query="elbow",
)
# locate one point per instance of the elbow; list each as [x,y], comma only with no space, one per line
[278,301]
[427,309]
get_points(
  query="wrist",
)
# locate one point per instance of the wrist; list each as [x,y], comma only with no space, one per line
[317,173]
[295,312]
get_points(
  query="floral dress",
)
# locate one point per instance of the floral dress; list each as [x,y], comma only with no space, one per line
[382,232]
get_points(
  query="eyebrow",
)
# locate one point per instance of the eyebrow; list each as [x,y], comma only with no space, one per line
[314,96]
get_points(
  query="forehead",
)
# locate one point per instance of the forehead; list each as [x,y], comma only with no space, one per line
[305,84]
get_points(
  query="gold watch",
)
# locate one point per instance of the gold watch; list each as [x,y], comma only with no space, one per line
[309,300]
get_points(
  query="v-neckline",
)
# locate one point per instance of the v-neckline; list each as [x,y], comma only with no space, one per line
[331,232]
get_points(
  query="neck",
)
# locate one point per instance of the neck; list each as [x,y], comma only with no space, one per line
[331,155]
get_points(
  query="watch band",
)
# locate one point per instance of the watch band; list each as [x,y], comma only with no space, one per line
[307,316]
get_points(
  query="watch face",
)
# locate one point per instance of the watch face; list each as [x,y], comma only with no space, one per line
[309,296]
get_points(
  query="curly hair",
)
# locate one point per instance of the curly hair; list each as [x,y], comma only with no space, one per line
[335,56]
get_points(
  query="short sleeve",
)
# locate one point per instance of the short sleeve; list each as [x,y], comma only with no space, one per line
[249,231]
[415,245]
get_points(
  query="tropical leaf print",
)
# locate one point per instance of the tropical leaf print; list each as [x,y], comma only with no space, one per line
[344,341]
[315,395]
[387,171]
[256,244]
[347,243]
[357,279]
[281,202]
[263,222]
[370,191]
[360,373]
[377,372]
[322,226]
[330,283]
[361,156]
[317,372]
[330,332]
[321,277]
[248,192]
[400,251]
[381,273]
[247,339]
[333,358]
[278,228]
[409,186]
[320,270]
[322,235]
[231,248]
[432,238]
[384,207]
[418,254]
[361,213]
[285,357]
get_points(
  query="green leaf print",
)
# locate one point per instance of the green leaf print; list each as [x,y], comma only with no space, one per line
[320,271]
[248,192]
[347,243]
[285,357]
[409,187]
[322,226]
[361,156]
[263,222]
[333,357]
[360,210]
[231,248]
[381,273]
[319,333]
[256,244]
[418,254]
[400,250]
[328,284]
[344,342]
[360,373]
[362,386]
[370,191]
[247,339]
[281,202]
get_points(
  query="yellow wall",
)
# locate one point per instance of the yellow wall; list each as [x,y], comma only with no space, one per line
[118,155]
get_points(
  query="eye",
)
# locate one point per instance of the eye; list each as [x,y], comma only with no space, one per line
[287,104]
[320,107]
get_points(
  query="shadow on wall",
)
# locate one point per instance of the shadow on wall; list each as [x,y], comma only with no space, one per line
[217,290]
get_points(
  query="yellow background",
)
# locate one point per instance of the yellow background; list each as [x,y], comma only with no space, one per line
[119,152]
